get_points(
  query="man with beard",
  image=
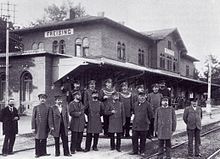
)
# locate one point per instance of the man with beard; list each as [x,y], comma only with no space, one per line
[125,97]
[105,96]
[77,124]
[94,111]
[40,126]
[10,127]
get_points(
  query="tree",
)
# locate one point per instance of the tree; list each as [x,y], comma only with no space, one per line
[55,13]
[215,69]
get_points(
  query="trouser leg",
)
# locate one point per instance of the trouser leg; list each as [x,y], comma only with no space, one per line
[197,141]
[57,145]
[37,147]
[73,141]
[79,140]
[95,141]
[106,123]
[168,148]
[88,141]
[5,145]
[190,142]
[127,126]
[44,146]
[11,143]
[143,135]
[64,141]
[112,140]
[151,128]
[160,148]
[135,136]
[118,141]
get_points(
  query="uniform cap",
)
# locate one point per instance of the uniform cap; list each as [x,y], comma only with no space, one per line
[76,81]
[42,95]
[140,86]
[155,85]
[57,97]
[124,84]
[92,82]
[76,93]
[109,80]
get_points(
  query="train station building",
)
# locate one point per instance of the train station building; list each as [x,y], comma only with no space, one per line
[95,47]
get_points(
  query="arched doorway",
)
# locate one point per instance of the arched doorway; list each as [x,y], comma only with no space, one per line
[25,91]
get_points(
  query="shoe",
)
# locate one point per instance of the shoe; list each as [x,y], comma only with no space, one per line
[4,154]
[118,150]
[67,155]
[37,156]
[142,154]
[112,148]
[132,153]
[127,135]
[56,155]
[73,152]
[86,150]
[79,149]
[95,149]
[47,154]
[10,153]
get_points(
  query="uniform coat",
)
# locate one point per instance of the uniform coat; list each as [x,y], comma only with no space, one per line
[10,126]
[165,122]
[55,118]
[40,121]
[155,100]
[76,111]
[116,120]
[192,117]
[87,96]
[95,110]
[142,116]
[126,99]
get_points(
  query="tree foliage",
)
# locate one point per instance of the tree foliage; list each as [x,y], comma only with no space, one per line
[215,67]
[55,13]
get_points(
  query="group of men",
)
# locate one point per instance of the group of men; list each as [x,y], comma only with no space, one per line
[153,117]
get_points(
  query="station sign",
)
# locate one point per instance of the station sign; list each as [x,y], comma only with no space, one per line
[61,32]
[168,51]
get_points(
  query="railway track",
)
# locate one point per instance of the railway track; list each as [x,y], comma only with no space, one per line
[184,142]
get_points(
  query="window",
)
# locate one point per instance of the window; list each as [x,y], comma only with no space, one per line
[26,88]
[78,44]
[169,64]
[41,46]
[2,87]
[62,47]
[162,61]
[85,47]
[141,57]
[123,56]
[169,45]
[55,47]
[187,70]
[119,50]
[174,66]
[34,46]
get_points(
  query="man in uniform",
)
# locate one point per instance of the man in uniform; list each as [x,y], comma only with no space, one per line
[88,92]
[10,127]
[125,97]
[40,126]
[105,96]
[58,123]
[77,124]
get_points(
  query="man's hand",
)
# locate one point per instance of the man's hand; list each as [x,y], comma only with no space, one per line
[52,129]
[16,118]
[113,111]
[33,131]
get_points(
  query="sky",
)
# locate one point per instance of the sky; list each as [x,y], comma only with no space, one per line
[198,21]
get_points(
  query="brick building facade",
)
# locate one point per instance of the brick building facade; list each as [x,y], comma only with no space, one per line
[96,48]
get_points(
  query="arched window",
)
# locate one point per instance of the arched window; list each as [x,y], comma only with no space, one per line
[41,46]
[55,47]
[78,45]
[119,50]
[123,56]
[62,47]
[34,46]
[85,47]
[2,87]
[26,87]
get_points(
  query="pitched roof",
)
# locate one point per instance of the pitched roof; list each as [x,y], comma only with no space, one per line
[159,34]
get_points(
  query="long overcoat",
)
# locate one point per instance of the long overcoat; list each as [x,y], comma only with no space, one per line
[40,121]
[77,113]
[142,116]
[55,118]
[116,120]
[95,111]
[126,99]
[165,122]
[10,126]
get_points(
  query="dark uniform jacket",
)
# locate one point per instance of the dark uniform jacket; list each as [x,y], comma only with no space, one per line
[142,116]
[10,126]
[95,111]
[192,117]
[165,122]
[40,121]
[155,100]
[87,97]
[76,111]
[116,120]
[126,99]
[55,119]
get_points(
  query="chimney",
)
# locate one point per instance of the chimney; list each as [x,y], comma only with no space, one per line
[101,14]
[72,14]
